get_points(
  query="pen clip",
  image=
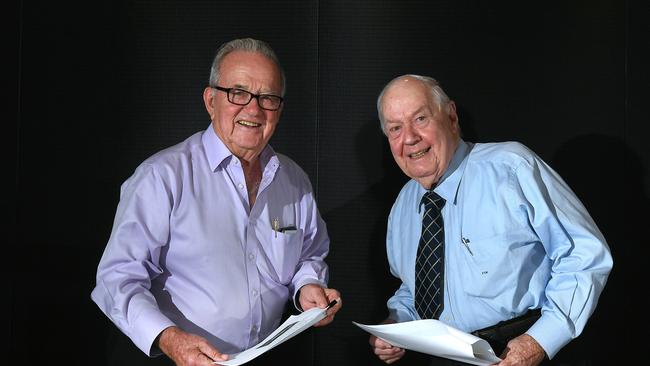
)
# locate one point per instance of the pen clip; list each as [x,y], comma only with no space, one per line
[331,304]
[465,242]
[275,225]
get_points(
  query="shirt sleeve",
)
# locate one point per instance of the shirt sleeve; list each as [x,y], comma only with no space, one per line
[131,260]
[579,255]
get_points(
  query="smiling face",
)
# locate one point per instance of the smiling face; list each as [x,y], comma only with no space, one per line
[245,130]
[422,135]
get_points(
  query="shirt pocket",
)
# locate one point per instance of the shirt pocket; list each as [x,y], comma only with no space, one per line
[489,269]
[283,254]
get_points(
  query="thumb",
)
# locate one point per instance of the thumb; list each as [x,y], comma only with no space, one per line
[322,300]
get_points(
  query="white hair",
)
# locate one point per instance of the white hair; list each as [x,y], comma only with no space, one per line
[439,95]
[247,45]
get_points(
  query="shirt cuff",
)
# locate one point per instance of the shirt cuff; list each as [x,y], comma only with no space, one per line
[551,333]
[146,329]
[399,315]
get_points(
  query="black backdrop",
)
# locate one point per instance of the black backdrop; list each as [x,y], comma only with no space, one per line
[104,84]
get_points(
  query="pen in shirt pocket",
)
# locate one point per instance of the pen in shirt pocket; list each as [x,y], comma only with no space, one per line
[465,242]
[275,225]
[287,229]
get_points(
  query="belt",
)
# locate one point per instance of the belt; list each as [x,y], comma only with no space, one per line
[499,334]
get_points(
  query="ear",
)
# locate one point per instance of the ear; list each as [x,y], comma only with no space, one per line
[208,100]
[453,117]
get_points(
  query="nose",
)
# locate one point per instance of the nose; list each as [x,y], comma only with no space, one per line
[411,136]
[253,106]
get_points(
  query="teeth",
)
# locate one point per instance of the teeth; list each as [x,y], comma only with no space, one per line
[418,154]
[249,123]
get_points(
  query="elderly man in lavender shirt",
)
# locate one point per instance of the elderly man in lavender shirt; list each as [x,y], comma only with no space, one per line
[213,236]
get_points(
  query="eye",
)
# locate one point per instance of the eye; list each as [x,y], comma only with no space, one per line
[421,118]
[238,92]
[393,131]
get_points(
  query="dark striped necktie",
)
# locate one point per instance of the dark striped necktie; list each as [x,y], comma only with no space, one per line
[429,263]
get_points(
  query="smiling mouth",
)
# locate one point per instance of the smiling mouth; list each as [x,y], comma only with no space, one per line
[248,123]
[420,153]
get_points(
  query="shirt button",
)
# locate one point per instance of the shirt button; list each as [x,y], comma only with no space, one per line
[254,292]
[251,256]
[254,328]
[241,186]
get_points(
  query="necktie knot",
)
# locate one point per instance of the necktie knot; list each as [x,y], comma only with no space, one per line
[432,200]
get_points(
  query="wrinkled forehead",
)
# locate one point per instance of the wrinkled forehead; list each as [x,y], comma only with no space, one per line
[243,68]
[407,96]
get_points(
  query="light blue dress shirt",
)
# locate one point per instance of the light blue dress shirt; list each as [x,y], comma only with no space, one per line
[186,250]
[530,244]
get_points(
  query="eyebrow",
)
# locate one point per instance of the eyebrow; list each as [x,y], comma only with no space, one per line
[240,86]
[245,87]
[410,116]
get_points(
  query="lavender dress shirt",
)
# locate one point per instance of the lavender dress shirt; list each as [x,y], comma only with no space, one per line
[186,250]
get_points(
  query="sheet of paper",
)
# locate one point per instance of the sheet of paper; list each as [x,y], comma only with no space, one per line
[291,327]
[434,337]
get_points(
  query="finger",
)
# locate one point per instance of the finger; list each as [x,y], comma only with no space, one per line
[388,351]
[326,320]
[312,295]
[380,343]
[392,358]
[337,306]
[332,294]
[318,296]
[203,359]
[212,353]
[332,311]
[219,357]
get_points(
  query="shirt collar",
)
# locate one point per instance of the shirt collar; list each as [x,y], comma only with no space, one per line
[448,185]
[217,152]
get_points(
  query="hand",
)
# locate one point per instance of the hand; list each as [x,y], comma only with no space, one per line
[522,351]
[384,350]
[312,295]
[187,349]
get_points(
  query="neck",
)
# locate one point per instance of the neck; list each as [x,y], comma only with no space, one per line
[253,176]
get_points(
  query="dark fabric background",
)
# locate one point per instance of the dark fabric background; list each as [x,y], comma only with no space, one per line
[101,85]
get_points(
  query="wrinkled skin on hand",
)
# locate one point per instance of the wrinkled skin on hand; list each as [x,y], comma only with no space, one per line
[312,295]
[522,351]
[187,349]
[384,350]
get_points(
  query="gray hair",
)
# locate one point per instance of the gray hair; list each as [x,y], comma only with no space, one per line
[439,95]
[247,45]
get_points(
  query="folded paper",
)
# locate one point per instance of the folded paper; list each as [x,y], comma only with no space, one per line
[435,338]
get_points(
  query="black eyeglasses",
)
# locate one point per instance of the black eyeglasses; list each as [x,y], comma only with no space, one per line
[238,96]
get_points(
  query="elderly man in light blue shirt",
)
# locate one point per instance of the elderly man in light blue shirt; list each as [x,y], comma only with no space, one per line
[213,236]
[515,236]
